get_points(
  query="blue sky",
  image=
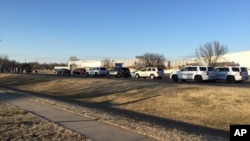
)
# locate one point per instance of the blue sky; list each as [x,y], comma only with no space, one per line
[54,30]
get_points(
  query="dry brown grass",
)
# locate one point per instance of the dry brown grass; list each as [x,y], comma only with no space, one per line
[205,105]
[17,124]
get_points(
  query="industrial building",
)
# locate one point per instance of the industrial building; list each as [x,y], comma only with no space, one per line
[241,58]
[101,63]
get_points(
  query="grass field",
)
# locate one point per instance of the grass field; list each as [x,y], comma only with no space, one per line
[17,124]
[213,106]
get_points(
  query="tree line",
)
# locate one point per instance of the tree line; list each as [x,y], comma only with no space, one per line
[7,65]
[207,54]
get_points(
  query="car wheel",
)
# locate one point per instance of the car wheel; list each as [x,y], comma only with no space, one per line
[137,76]
[175,78]
[152,76]
[230,79]
[87,74]
[213,81]
[198,78]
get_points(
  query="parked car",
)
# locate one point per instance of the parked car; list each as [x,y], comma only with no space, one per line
[79,71]
[150,72]
[54,70]
[119,72]
[197,73]
[63,72]
[232,73]
[96,71]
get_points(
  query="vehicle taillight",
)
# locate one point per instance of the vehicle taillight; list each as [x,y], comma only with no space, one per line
[240,73]
[207,72]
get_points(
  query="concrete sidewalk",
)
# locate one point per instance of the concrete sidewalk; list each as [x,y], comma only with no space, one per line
[90,128]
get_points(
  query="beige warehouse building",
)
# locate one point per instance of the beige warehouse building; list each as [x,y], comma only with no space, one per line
[241,58]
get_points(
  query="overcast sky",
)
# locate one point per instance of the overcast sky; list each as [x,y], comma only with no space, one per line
[54,30]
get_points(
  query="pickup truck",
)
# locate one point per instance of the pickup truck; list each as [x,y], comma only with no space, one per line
[150,72]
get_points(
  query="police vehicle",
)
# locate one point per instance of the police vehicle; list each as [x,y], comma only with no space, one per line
[232,73]
[196,73]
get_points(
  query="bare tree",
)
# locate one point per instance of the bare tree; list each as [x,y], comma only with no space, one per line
[150,60]
[210,52]
[73,58]
[107,63]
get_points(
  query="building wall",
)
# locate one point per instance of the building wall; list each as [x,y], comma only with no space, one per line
[180,63]
[125,62]
[243,58]
[85,63]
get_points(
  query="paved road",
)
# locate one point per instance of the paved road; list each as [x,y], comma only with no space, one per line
[165,80]
[90,128]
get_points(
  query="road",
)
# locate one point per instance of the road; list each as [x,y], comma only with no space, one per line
[165,80]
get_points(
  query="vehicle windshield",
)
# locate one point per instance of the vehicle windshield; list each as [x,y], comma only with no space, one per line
[236,69]
[243,69]
[160,69]
[125,69]
[210,68]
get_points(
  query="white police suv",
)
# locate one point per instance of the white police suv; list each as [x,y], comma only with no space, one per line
[232,73]
[197,73]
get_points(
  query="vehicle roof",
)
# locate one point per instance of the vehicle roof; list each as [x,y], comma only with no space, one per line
[120,67]
[198,66]
[231,66]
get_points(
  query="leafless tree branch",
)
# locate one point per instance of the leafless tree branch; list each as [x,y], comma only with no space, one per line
[150,60]
[210,52]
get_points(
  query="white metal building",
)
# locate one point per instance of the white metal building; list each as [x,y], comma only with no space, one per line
[125,62]
[85,63]
[242,58]
[99,63]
